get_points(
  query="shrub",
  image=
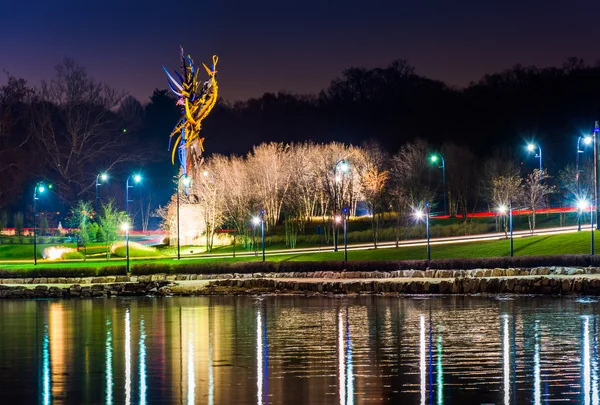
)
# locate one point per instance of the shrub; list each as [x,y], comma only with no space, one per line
[71,255]
[151,268]
[135,250]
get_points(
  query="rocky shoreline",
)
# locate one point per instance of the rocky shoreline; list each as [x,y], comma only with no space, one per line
[540,280]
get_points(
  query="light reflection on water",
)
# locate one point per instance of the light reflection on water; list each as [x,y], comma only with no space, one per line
[277,350]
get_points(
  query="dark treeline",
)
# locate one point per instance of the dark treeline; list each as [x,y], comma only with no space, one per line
[72,127]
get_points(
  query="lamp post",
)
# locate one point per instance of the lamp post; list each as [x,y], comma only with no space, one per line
[504,210]
[103,177]
[136,178]
[343,165]
[425,213]
[186,182]
[261,220]
[583,205]
[510,221]
[531,148]
[595,142]
[39,188]
[345,213]
[262,231]
[587,140]
[434,159]
[125,227]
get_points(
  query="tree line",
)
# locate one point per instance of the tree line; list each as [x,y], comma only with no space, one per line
[71,127]
[302,182]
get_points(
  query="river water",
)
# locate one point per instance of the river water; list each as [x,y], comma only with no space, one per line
[298,350]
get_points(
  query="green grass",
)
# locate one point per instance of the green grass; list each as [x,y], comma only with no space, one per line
[572,243]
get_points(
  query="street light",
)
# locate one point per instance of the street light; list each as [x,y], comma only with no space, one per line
[345,215]
[344,167]
[103,177]
[434,158]
[503,210]
[583,205]
[261,220]
[41,189]
[186,183]
[125,227]
[425,213]
[531,148]
[587,140]
[136,178]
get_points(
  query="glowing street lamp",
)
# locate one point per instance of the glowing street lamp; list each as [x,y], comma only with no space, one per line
[420,214]
[39,189]
[434,159]
[186,182]
[99,177]
[261,220]
[125,227]
[583,205]
[587,140]
[503,209]
[344,167]
[531,148]
[136,178]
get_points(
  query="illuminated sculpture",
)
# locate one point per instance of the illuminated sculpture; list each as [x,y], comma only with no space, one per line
[197,99]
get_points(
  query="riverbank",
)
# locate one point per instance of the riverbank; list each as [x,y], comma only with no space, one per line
[539,280]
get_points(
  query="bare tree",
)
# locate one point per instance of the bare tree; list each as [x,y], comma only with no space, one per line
[409,185]
[535,189]
[503,189]
[374,177]
[269,174]
[77,126]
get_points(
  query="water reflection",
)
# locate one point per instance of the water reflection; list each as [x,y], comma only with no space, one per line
[537,394]
[127,357]
[142,360]
[440,372]
[109,372]
[296,350]
[46,367]
[506,363]
[590,363]
[422,359]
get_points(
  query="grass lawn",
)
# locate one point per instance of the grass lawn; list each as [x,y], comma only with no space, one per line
[572,243]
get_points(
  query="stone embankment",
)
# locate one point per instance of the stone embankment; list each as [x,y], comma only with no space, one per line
[541,280]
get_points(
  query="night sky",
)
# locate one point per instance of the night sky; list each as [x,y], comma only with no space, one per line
[289,44]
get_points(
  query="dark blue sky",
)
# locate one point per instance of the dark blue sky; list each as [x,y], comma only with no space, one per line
[291,44]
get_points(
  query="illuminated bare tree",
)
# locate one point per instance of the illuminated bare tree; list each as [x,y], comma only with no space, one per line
[269,174]
[409,187]
[535,190]
[503,189]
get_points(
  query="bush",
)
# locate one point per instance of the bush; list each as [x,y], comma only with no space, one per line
[71,255]
[151,268]
[135,250]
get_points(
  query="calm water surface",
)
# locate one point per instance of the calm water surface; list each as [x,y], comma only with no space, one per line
[296,350]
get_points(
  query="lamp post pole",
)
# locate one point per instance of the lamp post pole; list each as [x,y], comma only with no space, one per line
[510,221]
[444,183]
[262,230]
[427,212]
[186,182]
[434,159]
[35,198]
[595,142]
[137,179]
[592,228]
[345,212]
[126,226]
[344,169]
[577,174]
